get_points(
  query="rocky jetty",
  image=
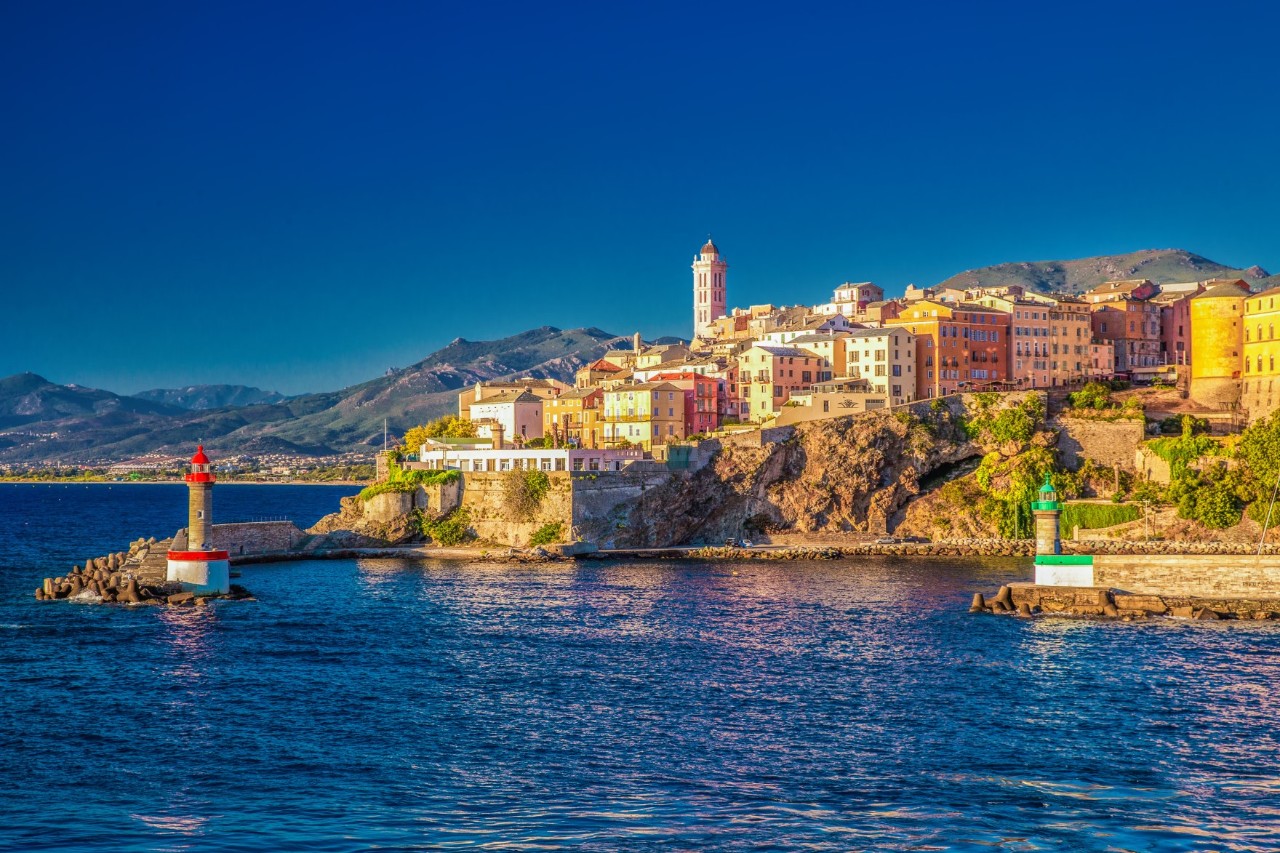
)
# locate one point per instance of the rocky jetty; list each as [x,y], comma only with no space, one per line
[136,576]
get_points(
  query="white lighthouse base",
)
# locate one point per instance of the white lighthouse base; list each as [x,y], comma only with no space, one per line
[201,572]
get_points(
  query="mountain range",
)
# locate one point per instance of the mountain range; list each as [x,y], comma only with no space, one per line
[1159,265]
[44,421]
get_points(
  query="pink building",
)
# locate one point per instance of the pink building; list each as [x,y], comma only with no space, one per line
[702,400]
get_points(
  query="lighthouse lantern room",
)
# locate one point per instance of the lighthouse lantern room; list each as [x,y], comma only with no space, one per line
[200,568]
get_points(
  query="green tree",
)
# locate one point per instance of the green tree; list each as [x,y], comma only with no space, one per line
[449,426]
[1259,451]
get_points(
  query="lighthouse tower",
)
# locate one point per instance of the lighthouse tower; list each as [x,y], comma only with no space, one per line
[200,569]
[1047,511]
[708,288]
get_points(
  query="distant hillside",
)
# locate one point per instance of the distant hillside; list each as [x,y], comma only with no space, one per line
[201,397]
[43,421]
[1159,265]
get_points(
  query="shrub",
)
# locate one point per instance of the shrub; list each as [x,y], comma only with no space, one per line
[1258,512]
[1094,395]
[1217,506]
[547,534]
[452,529]
[523,492]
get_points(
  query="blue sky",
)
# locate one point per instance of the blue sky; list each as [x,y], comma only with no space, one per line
[322,190]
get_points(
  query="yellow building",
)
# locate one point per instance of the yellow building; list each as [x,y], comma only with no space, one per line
[1217,338]
[643,415]
[573,418]
[1260,394]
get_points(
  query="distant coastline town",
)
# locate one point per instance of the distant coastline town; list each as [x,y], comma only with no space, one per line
[1212,341]
[769,365]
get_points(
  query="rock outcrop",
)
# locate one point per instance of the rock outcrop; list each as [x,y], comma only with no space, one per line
[847,475]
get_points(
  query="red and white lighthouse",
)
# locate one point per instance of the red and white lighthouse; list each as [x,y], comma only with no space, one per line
[200,568]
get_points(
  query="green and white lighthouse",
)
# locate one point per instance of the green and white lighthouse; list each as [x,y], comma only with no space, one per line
[1048,514]
[1054,568]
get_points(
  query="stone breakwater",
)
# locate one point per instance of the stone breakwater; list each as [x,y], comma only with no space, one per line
[136,576]
[1026,599]
[798,553]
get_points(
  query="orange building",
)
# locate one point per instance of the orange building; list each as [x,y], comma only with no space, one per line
[959,345]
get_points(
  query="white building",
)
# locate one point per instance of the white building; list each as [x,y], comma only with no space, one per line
[435,458]
[851,299]
[518,412]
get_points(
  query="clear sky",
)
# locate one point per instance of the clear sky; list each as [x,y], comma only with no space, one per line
[320,191]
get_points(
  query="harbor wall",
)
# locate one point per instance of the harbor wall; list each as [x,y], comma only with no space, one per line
[1189,574]
[249,537]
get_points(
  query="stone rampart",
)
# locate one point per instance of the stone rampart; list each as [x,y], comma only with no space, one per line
[485,498]
[1108,443]
[602,504]
[434,500]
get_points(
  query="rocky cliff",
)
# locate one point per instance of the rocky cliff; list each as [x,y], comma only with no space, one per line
[848,475]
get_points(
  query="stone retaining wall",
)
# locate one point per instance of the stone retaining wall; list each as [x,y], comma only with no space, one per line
[1106,442]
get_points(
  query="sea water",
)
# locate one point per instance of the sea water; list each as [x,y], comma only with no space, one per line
[835,705]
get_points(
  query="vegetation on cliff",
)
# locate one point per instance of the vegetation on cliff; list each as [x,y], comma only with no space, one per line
[1095,401]
[1095,516]
[401,480]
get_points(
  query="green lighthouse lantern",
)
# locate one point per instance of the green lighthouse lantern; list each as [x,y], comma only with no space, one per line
[1048,497]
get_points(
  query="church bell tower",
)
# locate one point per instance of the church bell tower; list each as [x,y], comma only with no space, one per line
[708,288]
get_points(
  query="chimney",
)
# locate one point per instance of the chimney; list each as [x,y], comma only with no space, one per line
[496,431]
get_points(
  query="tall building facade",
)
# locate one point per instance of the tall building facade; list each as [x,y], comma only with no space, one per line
[708,289]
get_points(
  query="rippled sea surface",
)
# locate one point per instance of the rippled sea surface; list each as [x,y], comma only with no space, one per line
[607,706]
